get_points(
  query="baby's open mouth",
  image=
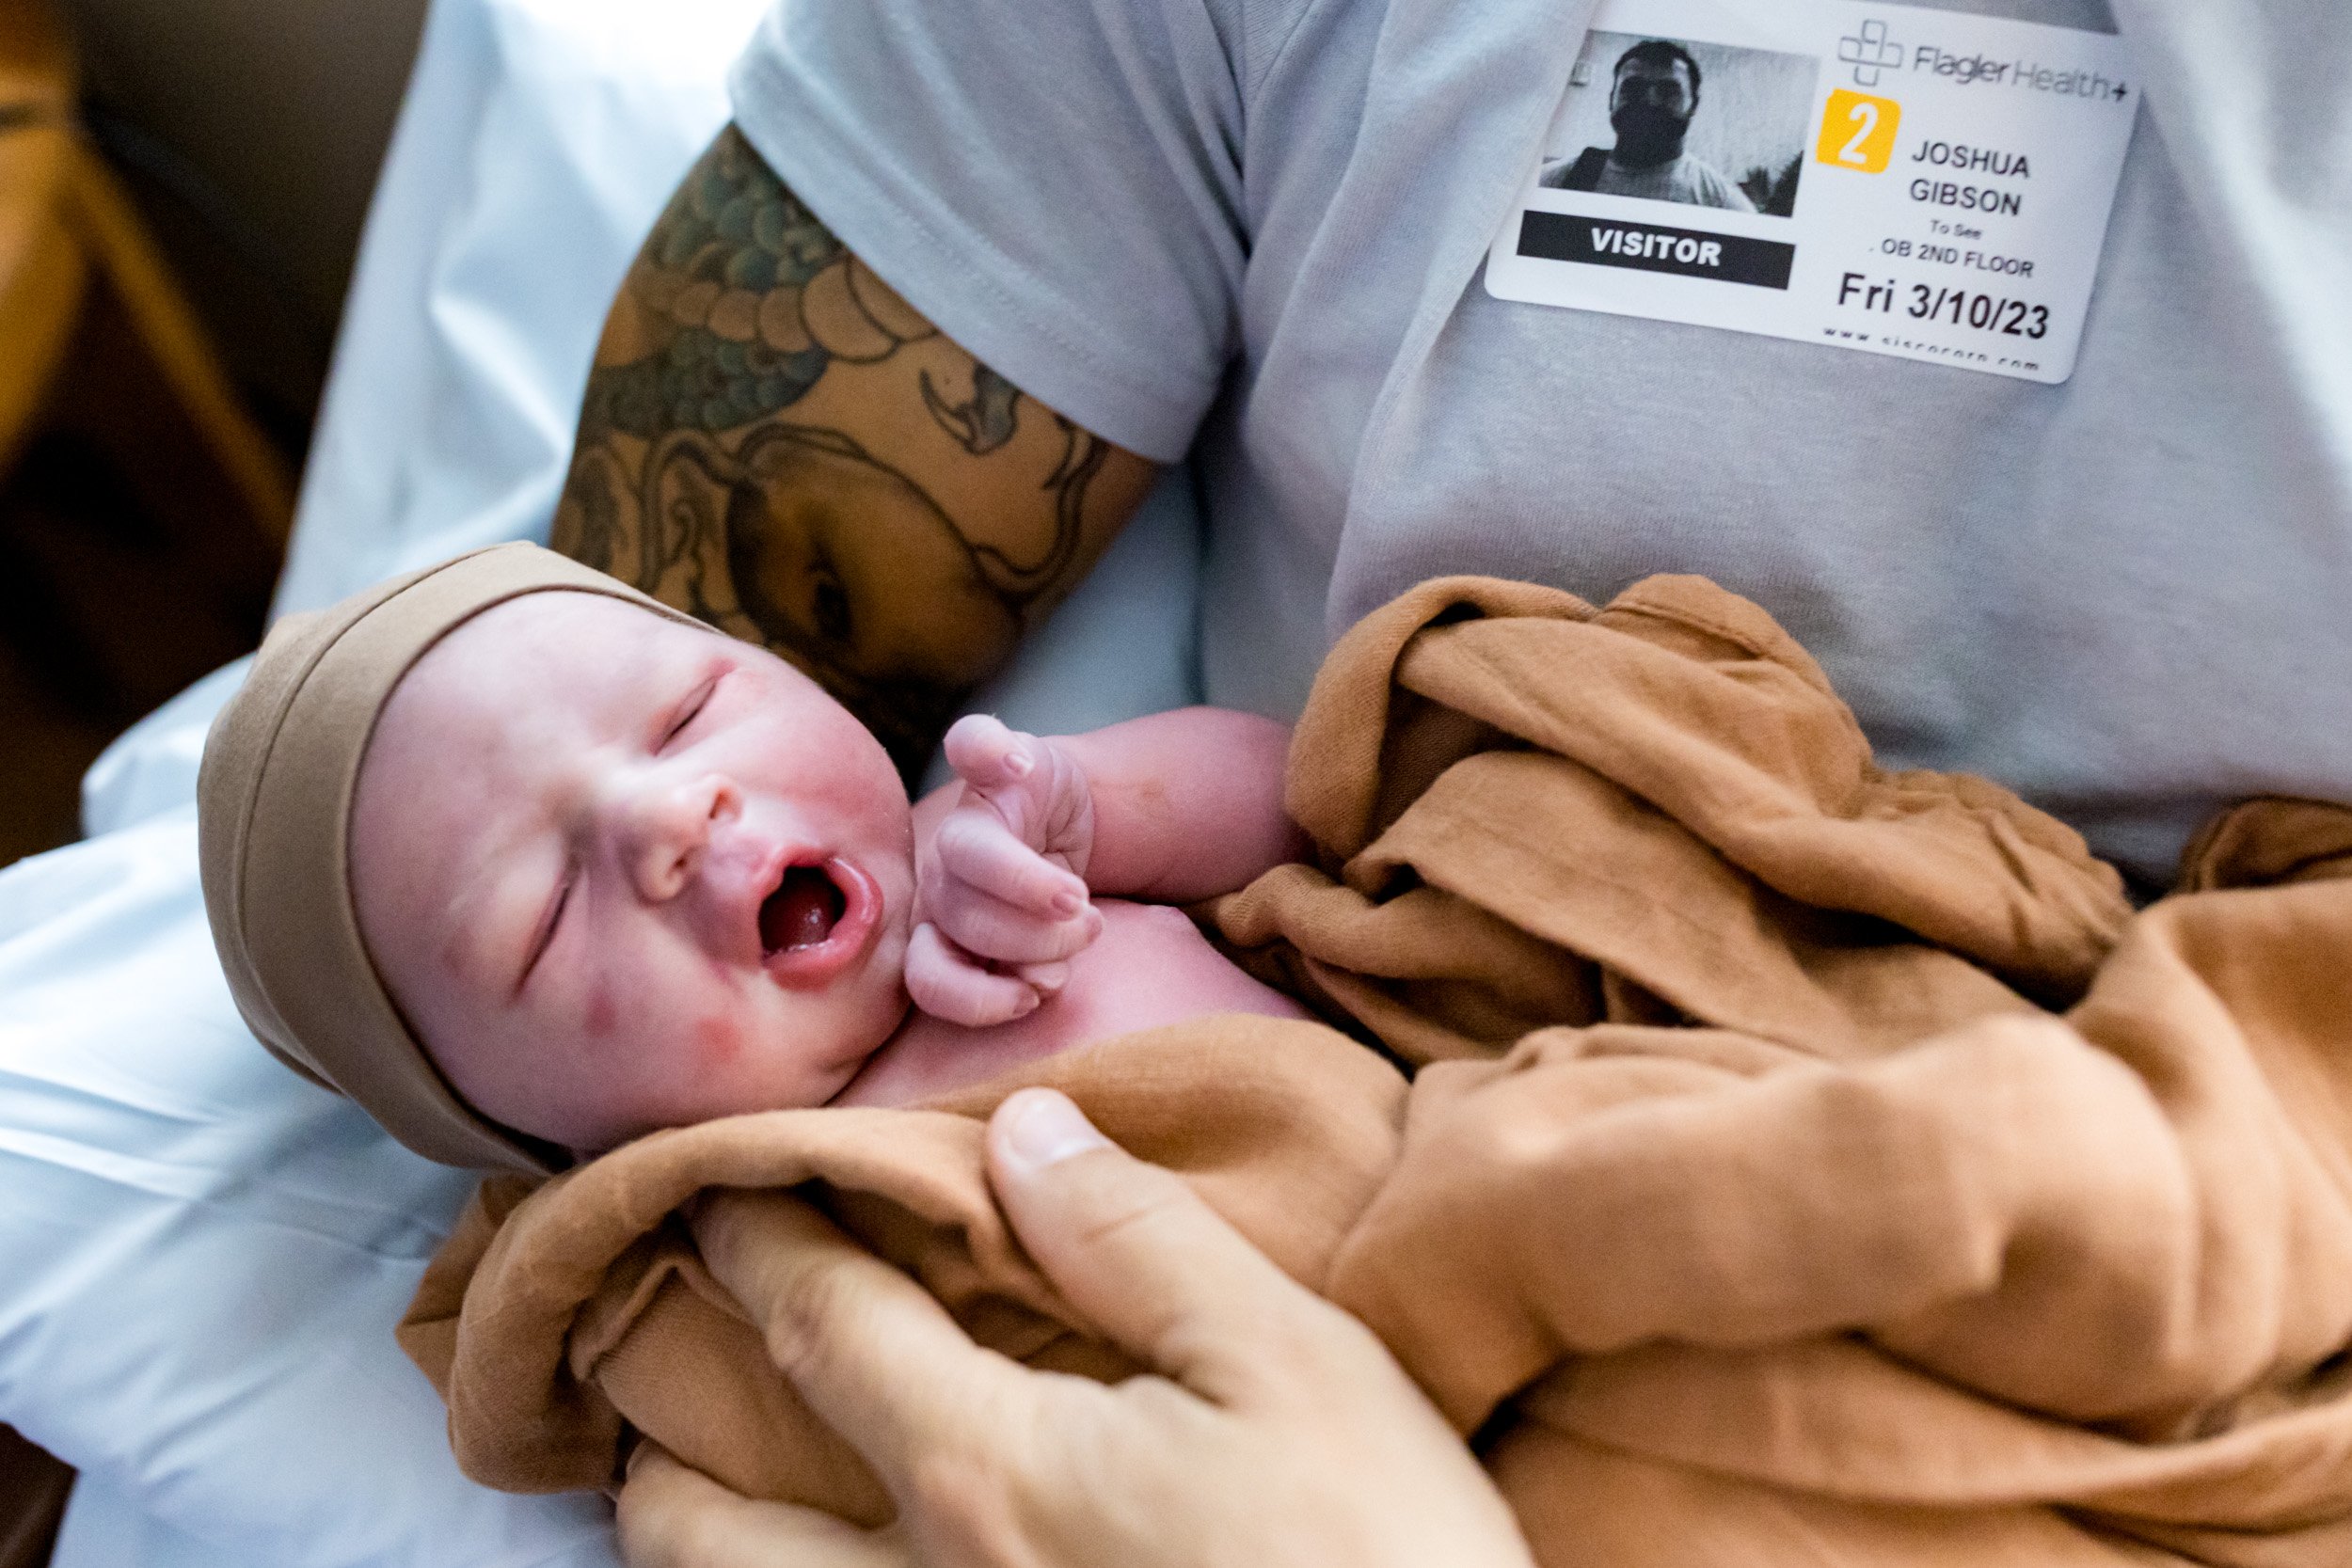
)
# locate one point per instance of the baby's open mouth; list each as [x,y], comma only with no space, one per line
[820,923]
[802,911]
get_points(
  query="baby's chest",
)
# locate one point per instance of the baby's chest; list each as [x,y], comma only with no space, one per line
[1149,967]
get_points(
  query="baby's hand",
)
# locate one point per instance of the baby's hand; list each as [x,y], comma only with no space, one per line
[1001,893]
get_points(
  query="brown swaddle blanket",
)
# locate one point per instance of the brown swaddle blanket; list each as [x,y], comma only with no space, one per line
[1807,1164]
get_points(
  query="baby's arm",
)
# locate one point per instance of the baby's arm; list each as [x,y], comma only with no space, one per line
[1187,804]
[1173,806]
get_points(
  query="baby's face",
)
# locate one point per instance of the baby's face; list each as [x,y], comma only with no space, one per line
[622,873]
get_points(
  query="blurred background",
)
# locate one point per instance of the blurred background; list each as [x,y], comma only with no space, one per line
[137,543]
[182,188]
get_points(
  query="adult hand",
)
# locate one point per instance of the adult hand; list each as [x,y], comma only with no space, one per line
[1273,1429]
[1001,882]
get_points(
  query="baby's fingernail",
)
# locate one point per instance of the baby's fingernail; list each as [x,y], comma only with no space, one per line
[1048,979]
[1019,763]
[1042,1127]
[1067,902]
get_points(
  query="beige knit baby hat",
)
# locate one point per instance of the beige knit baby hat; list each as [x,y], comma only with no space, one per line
[272,810]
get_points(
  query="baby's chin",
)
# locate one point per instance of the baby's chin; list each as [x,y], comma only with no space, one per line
[873,1065]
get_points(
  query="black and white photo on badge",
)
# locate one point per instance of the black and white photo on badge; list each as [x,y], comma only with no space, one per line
[1669,119]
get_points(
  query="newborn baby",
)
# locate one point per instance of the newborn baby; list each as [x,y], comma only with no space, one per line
[614,871]
[622,873]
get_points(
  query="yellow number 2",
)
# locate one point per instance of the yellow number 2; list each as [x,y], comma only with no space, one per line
[1858,132]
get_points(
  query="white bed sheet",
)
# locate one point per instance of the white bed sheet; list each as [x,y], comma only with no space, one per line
[200,1256]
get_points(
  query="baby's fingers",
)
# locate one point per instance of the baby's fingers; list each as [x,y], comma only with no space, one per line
[1002,933]
[950,984]
[987,753]
[975,847]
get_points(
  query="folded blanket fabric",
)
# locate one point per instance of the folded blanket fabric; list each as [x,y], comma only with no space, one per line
[1805,1163]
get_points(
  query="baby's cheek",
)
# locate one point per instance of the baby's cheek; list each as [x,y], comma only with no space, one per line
[717,1041]
[602,1011]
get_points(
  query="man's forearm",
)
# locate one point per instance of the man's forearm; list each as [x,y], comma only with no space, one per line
[776,442]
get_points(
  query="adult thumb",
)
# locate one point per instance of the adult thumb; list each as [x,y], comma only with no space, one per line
[1161,1274]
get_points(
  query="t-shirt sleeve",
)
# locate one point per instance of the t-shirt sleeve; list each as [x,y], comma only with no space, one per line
[1055,183]
[1728,195]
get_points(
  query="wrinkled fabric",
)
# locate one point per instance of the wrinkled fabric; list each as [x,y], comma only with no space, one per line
[1805,1163]
[553,1316]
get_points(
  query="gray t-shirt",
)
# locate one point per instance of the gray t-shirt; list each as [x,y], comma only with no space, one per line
[1683,179]
[1252,230]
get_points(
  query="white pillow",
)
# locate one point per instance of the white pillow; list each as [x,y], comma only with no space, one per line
[203,1254]
[206,1255]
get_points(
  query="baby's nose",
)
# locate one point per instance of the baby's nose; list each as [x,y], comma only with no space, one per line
[668,826]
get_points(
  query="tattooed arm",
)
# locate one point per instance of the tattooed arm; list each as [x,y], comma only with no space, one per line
[777,443]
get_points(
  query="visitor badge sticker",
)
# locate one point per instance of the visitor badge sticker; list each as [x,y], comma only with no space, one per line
[1884,177]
